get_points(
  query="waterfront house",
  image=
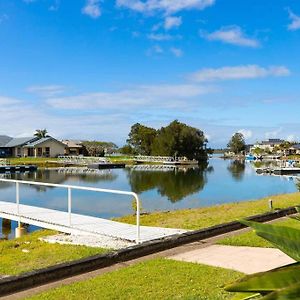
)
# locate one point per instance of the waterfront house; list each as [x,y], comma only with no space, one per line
[73,147]
[30,147]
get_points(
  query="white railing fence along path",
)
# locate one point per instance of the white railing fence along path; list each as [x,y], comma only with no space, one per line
[69,188]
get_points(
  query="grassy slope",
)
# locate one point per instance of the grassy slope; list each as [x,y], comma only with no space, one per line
[155,279]
[204,217]
[41,254]
[250,239]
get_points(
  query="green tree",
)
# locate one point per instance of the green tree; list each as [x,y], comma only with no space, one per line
[237,143]
[41,133]
[141,138]
[96,148]
[127,150]
[179,139]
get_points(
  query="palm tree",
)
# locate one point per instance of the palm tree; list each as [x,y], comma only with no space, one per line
[41,133]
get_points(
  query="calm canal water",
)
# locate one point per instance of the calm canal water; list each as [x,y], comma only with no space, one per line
[218,182]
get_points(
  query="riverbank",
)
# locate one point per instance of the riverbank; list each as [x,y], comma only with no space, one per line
[196,218]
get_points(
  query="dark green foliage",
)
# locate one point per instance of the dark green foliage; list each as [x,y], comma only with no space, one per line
[237,143]
[141,139]
[179,139]
[41,133]
[127,150]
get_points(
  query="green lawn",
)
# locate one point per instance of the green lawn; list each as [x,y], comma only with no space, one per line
[39,161]
[208,216]
[13,259]
[250,239]
[155,279]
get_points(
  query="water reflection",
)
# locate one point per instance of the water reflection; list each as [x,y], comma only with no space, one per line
[237,169]
[175,184]
[60,176]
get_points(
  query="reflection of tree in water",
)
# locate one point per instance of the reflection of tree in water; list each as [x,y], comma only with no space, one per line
[175,184]
[237,169]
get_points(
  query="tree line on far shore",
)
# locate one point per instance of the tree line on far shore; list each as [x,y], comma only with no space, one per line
[176,139]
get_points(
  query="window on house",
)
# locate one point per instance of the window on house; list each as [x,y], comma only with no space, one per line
[47,151]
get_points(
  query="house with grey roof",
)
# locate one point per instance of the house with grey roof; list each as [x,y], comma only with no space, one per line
[30,147]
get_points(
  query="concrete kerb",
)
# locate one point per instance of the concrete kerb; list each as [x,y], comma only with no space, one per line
[29,280]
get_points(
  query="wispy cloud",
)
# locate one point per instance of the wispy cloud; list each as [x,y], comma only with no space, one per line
[46,91]
[55,5]
[239,72]
[8,101]
[176,52]
[139,97]
[92,8]
[247,133]
[165,6]
[160,37]
[295,24]
[231,35]
[172,22]
[156,49]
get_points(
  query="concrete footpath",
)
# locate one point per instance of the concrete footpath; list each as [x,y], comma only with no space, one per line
[247,260]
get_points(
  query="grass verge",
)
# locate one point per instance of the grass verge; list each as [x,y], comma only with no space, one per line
[250,239]
[154,279]
[197,218]
[29,253]
[38,161]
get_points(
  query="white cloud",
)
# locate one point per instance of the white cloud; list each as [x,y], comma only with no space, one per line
[176,52]
[231,35]
[156,49]
[246,133]
[291,138]
[274,134]
[166,6]
[7,101]
[295,24]
[138,98]
[92,8]
[160,37]
[172,22]
[239,72]
[46,91]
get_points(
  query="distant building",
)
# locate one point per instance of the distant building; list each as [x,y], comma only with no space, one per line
[30,147]
[73,147]
[267,145]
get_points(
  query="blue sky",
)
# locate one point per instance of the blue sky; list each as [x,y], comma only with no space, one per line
[90,69]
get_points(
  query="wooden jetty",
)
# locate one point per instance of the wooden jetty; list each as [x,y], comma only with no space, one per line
[165,160]
[106,165]
[17,169]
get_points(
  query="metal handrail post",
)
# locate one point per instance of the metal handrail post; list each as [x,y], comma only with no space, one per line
[70,205]
[138,229]
[18,202]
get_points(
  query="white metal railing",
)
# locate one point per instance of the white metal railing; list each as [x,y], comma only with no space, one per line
[73,187]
